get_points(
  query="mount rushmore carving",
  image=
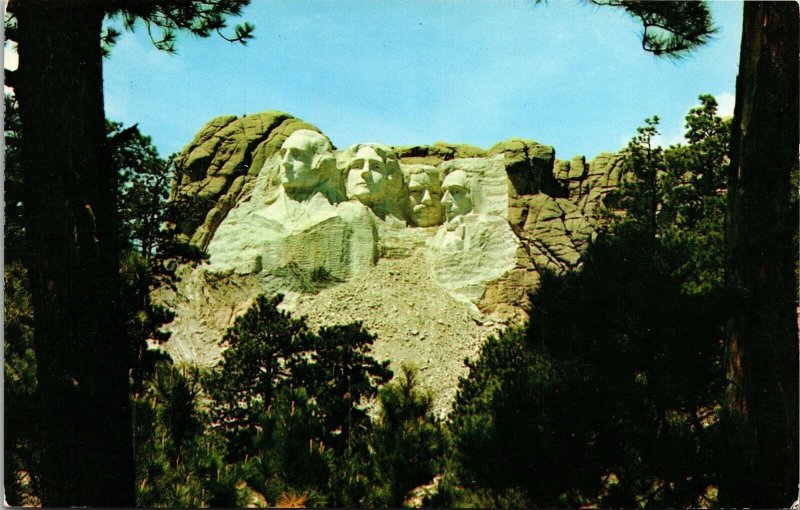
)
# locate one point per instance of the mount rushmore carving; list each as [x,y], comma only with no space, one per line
[278,195]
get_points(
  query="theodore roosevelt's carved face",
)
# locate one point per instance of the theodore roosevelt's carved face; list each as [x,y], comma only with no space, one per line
[425,197]
[303,158]
[456,199]
[371,179]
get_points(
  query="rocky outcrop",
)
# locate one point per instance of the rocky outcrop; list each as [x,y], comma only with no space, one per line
[432,247]
[296,216]
[436,153]
[553,208]
[589,183]
[552,234]
[223,158]
[529,166]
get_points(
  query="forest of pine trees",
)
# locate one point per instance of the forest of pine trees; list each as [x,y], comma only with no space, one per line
[612,394]
[662,373]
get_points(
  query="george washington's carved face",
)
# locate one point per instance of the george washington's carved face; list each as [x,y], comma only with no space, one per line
[298,171]
[457,200]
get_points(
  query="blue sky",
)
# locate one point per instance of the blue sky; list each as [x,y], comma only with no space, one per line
[565,73]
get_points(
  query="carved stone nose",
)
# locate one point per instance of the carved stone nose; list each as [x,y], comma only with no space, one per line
[426,198]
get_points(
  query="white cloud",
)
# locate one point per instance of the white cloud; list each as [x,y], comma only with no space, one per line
[725,100]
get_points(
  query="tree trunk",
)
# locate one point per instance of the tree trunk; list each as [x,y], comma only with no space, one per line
[763,348]
[72,257]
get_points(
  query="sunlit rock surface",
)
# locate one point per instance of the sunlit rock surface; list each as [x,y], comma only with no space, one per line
[432,247]
[296,218]
[224,156]
[476,244]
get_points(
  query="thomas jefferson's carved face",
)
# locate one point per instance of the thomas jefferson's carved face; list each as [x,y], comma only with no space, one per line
[425,199]
[456,199]
[368,178]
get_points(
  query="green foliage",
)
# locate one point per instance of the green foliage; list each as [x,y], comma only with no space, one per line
[179,462]
[352,482]
[200,18]
[302,280]
[450,494]
[143,318]
[343,377]
[285,455]
[677,195]
[510,428]
[19,376]
[693,210]
[19,366]
[639,195]
[321,275]
[14,232]
[177,392]
[143,180]
[291,404]
[650,356]
[262,347]
[19,362]
[400,451]
[143,186]
[407,442]
[611,395]
[619,372]
[669,28]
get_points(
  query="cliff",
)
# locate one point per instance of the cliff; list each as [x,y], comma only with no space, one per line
[432,247]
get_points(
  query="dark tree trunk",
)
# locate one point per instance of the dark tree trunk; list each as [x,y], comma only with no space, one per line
[72,257]
[763,348]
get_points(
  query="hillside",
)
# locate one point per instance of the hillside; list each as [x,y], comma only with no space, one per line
[433,248]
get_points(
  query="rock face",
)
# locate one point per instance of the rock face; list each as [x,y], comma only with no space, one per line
[295,216]
[432,247]
[529,166]
[222,159]
[476,244]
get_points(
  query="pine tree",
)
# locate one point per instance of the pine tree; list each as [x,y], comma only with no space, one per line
[620,370]
[761,256]
[260,350]
[407,441]
[761,233]
[72,230]
[180,461]
[640,194]
[343,377]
